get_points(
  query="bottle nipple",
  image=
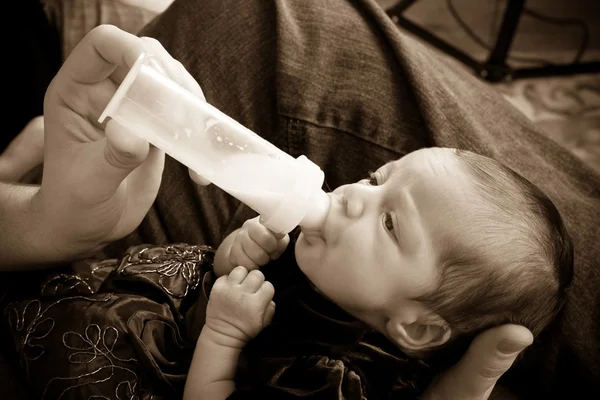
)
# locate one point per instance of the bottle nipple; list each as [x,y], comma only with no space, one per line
[315,217]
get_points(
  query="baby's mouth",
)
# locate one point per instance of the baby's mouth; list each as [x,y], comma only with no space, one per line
[317,226]
[315,236]
[311,235]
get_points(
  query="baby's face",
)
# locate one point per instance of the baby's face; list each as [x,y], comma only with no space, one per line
[379,243]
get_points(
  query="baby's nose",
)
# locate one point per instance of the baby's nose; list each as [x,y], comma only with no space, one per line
[353,203]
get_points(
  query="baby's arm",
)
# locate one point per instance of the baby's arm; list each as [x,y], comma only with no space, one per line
[239,307]
[251,246]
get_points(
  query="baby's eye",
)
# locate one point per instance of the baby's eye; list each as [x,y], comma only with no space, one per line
[388,223]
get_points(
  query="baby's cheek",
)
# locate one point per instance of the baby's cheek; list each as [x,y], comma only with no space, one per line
[309,253]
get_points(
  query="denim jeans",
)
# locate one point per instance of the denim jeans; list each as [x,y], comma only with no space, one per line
[338,82]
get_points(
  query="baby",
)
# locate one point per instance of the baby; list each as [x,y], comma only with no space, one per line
[427,252]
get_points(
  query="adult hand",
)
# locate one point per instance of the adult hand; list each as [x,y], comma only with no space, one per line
[490,355]
[99,181]
[25,151]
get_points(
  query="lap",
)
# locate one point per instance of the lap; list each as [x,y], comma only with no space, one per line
[342,85]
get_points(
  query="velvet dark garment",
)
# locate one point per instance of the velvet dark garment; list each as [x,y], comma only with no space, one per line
[111,329]
[116,329]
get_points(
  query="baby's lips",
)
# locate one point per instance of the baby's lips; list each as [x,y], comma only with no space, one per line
[315,218]
[312,233]
[313,237]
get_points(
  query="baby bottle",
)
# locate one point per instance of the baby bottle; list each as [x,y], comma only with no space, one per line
[285,191]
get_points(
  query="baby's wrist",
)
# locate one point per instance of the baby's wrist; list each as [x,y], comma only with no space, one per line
[216,338]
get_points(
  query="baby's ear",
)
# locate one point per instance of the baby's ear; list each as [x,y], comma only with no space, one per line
[418,332]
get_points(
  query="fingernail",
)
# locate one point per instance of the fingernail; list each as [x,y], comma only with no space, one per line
[511,347]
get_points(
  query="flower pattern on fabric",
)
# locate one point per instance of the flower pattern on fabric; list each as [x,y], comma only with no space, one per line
[85,278]
[33,323]
[174,265]
[98,331]
[95,346]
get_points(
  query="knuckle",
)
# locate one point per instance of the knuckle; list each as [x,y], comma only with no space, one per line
[491,371]
[118,159]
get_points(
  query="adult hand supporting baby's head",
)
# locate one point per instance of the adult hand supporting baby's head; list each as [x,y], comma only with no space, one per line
[490,355]
[99,181]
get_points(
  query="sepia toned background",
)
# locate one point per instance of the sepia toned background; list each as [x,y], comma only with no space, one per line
[567,108]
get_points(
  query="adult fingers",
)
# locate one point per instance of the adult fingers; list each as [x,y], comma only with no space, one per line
[199,179]
[162,61]
[99,53]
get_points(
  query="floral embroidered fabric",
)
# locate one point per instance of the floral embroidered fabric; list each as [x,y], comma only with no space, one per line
[112,328]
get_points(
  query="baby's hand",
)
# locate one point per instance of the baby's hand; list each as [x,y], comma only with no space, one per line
[255,245]
[240,306]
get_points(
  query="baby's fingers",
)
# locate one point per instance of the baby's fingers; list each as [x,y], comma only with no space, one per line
[273,243]
[261,235]
[254,250]
[253,281]
[265,295]
[282,244]
[269,313]
[238,256]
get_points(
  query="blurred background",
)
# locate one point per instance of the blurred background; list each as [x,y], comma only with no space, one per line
[563,100]
[564,103]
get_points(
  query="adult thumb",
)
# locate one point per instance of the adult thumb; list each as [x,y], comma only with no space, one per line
[124,150]
[490,355]
[117,156]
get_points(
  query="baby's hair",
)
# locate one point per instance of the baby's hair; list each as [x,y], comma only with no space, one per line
[516,267]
